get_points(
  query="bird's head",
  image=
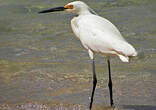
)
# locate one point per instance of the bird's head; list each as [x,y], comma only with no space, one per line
[77,7]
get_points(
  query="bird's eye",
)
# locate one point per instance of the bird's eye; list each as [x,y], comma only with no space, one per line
[69,6]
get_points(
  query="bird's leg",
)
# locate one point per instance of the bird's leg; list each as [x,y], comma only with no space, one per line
[94,83]
[110,84]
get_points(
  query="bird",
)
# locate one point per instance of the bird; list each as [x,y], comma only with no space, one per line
[97,35]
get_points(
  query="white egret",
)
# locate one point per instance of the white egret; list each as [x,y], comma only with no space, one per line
[99,35]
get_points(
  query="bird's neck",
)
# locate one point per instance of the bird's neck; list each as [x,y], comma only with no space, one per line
[84,12]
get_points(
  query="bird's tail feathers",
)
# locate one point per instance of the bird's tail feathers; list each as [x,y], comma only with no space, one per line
[123,58]
[134,54]
[127,59]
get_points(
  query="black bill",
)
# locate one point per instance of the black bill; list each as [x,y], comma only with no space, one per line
[53,10]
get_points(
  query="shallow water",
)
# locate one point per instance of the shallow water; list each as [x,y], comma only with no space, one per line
[42,64]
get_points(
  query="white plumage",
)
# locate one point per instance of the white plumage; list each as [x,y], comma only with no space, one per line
[97,34]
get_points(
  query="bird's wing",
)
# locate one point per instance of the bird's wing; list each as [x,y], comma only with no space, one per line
[102,24]
[100,35]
